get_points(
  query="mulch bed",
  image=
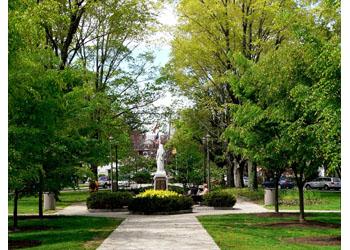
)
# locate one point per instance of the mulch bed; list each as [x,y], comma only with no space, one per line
[276,215]
[17,244]
[317,240]
[296,223]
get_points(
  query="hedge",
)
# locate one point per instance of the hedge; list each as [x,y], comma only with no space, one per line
[219,199]
[108,200]
[154,201]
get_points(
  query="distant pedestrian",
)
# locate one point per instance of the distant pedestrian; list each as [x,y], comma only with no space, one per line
[205,190]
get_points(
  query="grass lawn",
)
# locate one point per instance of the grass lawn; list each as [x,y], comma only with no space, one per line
[29,205]
[247,231]
[314,200]
[289,199]
[60,232]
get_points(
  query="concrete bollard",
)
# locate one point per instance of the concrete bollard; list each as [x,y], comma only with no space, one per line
[269,197]
[49,201]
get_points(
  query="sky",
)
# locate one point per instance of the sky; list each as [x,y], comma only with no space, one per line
[161,43]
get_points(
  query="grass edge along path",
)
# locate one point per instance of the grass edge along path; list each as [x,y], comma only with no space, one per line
[260,232]
[29,205]
[64,232]
[289,199]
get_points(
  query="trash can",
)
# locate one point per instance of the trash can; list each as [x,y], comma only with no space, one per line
[269,198]
[49,201]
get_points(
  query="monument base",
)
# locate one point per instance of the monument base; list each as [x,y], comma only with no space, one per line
[160,181]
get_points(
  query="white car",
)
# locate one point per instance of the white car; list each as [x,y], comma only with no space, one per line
[325,183]
[104,182]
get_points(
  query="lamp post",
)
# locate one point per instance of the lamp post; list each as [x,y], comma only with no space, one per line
[208,163]
[116,168]
[207,167]
[111,160]
[204,161]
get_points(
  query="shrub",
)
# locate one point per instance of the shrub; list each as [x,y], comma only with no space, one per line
[219,199]
[153,201]
[142,177]
[179,190]
[136,191]
[108,200]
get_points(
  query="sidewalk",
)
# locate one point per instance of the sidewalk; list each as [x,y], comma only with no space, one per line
[168,232]
[165,232]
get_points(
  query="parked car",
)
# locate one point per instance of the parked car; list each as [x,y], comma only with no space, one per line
[286,182]
[283,183]
[245,181]
[104,182]
[325,183]
[268,183]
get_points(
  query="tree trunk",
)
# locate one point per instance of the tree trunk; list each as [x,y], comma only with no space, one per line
[338,172]
[252,176]
[255,177]
[230,175]
[94,170]
[241,173]
[277,177]
[300,184]
[301,202]
[40,193]
[237,174]
[15,206]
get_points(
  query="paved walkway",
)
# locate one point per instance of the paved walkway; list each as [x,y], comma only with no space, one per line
[164,232]
[161,232]
[169,232]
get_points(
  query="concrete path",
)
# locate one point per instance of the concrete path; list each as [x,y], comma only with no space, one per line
[168,232]
[161,232]
[240,207]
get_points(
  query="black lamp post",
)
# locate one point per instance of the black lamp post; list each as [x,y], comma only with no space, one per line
[116,168]
[208,163]
[111,160]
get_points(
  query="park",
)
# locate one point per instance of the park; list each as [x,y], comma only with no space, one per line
[148,124]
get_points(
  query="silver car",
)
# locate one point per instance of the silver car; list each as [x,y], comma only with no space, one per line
[325,183]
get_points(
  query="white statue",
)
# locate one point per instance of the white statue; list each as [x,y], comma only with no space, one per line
[160,177]
[160,158]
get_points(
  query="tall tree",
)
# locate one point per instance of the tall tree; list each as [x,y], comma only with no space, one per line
[101,37]
[209,37]
[285,101]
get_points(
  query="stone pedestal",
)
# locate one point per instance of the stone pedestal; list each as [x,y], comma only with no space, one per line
[160,181]
[49,201]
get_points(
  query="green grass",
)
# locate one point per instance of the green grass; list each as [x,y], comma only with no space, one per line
[247,193]
[314,200]
[242,231]
[71,232]
[29,205]
[289,198]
